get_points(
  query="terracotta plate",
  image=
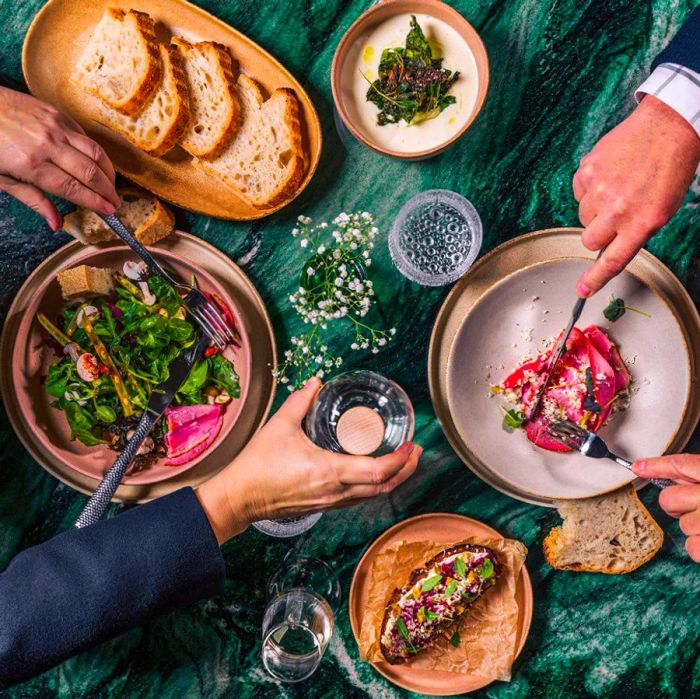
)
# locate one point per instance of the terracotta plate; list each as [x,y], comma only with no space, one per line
[43,430]
[55,40]
[436,527]
[482,333]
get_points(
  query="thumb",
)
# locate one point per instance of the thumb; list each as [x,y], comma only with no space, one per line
[682,468]
[299,403]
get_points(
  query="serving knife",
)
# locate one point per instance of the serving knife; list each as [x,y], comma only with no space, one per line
[558,352]
[160,398]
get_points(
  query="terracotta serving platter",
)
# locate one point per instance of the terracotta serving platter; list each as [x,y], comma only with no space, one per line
[58,35]
[43,430]
[523,289]
[440,527]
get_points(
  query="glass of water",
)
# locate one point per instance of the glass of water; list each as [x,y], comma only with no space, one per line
[298,622]
[436,237]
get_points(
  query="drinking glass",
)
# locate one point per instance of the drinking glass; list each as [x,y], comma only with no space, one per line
[299,617]
[436,237]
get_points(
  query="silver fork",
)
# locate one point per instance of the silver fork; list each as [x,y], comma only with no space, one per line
[590,444]
[199,306]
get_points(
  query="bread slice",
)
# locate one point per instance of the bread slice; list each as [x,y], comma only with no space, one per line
[121,63]
[437,595]
[162,122]
[142,213]
[265,162]
[214,106]
[612,533]
[85,281]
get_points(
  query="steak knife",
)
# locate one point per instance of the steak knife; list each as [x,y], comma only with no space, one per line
[161,397]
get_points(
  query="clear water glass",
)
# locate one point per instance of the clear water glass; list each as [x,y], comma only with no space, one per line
[436,237]
[299,617]
[367,389]
[351,389]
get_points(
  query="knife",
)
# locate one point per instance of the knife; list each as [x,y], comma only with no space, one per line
[559,351]
[160,398]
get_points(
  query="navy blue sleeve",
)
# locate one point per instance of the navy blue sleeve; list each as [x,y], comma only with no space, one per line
[87,585]
[684,48]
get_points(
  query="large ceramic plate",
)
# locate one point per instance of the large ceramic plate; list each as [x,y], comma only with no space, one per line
[43,430]
[57,37]
[440,527]
[481,334]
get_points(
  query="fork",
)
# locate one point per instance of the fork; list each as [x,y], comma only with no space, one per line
[199,306]
[590,444]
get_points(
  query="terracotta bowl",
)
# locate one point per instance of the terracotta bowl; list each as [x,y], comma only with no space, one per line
[32,355]
[352,41]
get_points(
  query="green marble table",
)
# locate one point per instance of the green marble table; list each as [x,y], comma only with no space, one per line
[562,73]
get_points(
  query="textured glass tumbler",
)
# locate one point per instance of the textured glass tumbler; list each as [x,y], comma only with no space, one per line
[436,237]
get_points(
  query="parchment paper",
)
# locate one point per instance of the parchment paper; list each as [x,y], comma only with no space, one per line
[487,631]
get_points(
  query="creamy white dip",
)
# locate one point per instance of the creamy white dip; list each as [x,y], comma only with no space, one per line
[361,66]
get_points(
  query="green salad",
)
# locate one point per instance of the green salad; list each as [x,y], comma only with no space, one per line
[115,349]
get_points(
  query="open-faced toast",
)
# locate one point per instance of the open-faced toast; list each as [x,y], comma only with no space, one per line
[121,63]
[436,596]
[161,123]
[214,106]
[264,164]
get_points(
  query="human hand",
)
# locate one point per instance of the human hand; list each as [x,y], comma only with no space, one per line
[43,150]
[630,185]
[681,500]
[282,473]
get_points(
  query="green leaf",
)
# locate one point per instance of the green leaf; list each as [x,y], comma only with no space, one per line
[105,414]
[58,377]
[487,569]
[512,419]
[165,294]
[194,383]
[460,567]
[401,626]
[430,614]
[431,582]
[615,309]
[81,424]
[223,374]
[455,640]
[451,587]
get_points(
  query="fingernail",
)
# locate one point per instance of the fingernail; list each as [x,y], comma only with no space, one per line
[312,381]
[419,450]
[109,209]
[583,290]
[407,447]
[639,467]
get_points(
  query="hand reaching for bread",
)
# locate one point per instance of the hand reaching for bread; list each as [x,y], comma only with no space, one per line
[43,150]
[268,480]
[681,500]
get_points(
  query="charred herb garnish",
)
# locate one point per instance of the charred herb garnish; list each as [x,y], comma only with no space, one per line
[412,85]
[616,309]
[455,639]
[512,419]
[589,402]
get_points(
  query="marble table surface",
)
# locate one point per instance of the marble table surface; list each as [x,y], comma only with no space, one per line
[562,73]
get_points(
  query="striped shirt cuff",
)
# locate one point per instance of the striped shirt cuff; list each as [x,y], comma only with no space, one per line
[678,87]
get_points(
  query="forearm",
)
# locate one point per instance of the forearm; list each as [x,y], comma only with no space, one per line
[90,584]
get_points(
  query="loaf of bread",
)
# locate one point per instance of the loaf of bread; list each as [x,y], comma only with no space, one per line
[143,214]
[85,281]
[121,63]
[612,533]
[162,122]
[264,164]
[214,106]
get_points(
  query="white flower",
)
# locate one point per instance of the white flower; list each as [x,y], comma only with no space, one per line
[284,379]
[301,291]
[304,350]
[354,346]
[328,363]
[353,246]
[381,341]
[392,331]
[324,348]
[323,225]
[295,232]
[338,361]
[375,350]
[288,355]
[309,271]
[365,254]
[336,254]
[318,359]
[338,281]
[321,249]
[303,242]
[320,373]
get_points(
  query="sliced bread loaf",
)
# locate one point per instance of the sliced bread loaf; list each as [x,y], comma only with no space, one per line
[85,281]
[162,122]
[142,213]
[121,63]
[264,164]
[612,533]
[214,106]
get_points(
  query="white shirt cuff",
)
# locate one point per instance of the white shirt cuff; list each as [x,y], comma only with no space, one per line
[678,87]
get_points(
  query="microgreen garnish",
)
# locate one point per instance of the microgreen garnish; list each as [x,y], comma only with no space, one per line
[512,419]
[616,309]
[431,582]
[487,569]
[334,287]
[430,614]
[589,401]
[455,640]
[401,626]
[460,567]
[451,587]
[412,85]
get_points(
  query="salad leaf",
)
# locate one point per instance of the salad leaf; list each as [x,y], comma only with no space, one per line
[460,567]
[194,383]
[167,297]
[401,626]
[512,419]
[105,414]
[81,424]
[487,569]
[616,309]
[451,587]
[58,378]
[430,583]
[224,375]
[430,614]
